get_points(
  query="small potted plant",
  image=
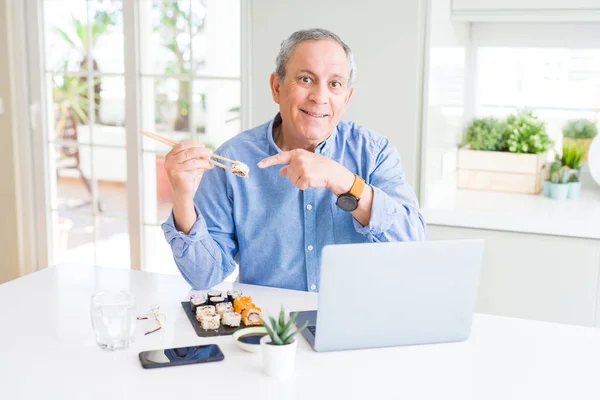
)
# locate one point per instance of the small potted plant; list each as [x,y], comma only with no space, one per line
[554,168]
[279,346]
[580,132]
[574,187]
[559,184]
[572,155]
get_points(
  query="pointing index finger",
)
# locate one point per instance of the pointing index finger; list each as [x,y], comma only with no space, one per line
[281,158]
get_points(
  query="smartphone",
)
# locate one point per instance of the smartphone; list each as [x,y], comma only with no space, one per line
[181,356]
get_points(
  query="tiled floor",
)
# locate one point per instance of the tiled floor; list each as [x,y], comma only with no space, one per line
[112,237]
[111,248]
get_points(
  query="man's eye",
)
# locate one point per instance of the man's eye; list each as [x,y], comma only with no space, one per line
[336,84]
[305,79]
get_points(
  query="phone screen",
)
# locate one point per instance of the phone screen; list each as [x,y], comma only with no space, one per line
[181,356]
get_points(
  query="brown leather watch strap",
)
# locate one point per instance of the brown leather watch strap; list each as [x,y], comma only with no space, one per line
[357,187]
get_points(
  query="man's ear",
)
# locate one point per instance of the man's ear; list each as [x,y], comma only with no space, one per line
[350,92]
[274,84]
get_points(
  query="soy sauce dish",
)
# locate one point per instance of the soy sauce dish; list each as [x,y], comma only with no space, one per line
[249,338]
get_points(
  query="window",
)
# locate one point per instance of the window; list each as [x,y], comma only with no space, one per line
[188,77]
[559,83]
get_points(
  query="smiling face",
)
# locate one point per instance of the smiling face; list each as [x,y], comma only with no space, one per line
[314,94]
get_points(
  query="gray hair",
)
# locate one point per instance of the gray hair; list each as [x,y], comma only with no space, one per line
[290,44]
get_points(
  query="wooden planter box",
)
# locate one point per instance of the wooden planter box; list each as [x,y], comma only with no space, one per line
[500,171]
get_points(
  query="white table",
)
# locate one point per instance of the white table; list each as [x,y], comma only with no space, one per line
[47,351]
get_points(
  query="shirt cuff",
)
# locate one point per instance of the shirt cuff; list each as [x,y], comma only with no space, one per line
[383,209]
[198,231]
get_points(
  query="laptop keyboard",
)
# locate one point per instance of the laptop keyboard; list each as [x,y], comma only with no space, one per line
[312,329]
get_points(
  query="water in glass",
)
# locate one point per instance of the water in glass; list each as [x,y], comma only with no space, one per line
[113,319]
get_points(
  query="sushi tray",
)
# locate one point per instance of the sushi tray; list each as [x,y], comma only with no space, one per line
[216,313]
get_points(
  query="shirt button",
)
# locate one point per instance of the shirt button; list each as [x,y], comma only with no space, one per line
[309,207]
[310,247]
[313,287]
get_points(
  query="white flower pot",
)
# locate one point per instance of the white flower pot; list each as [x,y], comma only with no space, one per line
[278,361]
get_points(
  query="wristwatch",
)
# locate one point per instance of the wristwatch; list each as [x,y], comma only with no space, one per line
[349,201]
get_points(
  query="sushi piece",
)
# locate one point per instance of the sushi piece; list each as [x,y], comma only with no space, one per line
[205,310]
[233,294]
[210,321]
[242,302]
[240,169]
[250,316]
[214,293]
[216,300]
[197,301]
[231,319]
[224,308]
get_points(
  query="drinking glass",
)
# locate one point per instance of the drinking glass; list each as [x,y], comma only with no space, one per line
[113,319]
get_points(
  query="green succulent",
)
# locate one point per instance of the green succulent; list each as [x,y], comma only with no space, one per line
[281,331]
[561,176]
[555,166]
[573,178]
[572,155]
[580,129]
[525,133]
[486,134]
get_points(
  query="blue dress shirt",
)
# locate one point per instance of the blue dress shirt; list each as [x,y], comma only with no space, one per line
[276,231]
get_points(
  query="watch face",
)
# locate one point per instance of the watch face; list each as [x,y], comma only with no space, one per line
[347,202]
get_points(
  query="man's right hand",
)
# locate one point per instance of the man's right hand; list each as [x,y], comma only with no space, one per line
[185,164]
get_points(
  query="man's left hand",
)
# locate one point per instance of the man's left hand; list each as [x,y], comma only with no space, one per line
[306,169]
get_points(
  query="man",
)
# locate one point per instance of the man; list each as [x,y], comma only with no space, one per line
[314,180]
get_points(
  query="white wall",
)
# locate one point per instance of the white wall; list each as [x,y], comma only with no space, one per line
[9,232]
[386,37]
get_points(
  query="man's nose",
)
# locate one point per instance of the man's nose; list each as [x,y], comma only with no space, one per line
[319,94]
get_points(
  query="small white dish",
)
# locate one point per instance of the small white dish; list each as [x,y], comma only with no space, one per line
[248,339]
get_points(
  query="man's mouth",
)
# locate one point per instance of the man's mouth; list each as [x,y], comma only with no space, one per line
[314,115]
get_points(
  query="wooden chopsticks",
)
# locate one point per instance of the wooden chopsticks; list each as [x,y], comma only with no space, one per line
[170,142]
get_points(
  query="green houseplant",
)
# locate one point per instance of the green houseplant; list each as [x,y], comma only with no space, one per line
[580,132]
[486,134]
[278,348]
[554,168]
[572,156]
[525,133]
[574,187]
[559,183]
[504,155]
[580,129]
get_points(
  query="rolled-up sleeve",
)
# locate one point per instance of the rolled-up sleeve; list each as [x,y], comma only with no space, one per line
[205,257]
[395,214]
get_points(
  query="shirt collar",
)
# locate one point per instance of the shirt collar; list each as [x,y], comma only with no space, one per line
[320,149]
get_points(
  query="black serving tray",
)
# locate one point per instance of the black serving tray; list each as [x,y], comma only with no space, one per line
[222,331]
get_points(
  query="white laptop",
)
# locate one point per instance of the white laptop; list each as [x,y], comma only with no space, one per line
[394,294]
